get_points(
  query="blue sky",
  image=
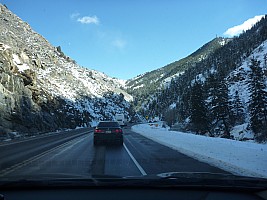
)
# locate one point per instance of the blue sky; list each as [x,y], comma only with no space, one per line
[125,38]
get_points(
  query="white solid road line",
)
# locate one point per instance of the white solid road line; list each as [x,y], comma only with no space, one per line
[135,161]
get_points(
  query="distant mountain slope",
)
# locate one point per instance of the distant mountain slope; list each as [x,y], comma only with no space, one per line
[163,75]
[149,83]
[218,96]
[43,89]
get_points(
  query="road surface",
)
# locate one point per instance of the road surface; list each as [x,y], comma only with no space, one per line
[72,154]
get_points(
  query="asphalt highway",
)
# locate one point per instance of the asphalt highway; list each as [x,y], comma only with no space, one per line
[72,154]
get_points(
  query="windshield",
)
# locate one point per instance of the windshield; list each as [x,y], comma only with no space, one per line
[184,82]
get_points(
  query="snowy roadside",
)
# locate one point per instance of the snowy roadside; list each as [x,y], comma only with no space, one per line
[240,158]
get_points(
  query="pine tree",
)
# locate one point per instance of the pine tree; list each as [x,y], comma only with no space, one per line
[237,110]
[258,101]
[198,109]
[220,106]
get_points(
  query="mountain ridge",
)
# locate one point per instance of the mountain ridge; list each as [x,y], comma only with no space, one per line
[162,77]
[207,99]
[197,55]
[44,90]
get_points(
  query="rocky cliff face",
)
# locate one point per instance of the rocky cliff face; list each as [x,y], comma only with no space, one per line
[42,89]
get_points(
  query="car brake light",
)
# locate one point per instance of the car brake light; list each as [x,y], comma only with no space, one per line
[98,131]
[118,131]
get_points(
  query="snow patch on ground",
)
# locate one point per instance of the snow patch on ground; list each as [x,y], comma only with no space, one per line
[21,66]
[240,132]
[240,158]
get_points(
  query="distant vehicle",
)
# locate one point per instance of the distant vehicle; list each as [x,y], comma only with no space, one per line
[120,118]
[108,131]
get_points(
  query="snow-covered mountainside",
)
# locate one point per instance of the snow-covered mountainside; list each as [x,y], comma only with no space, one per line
[76,82]
[238,79]
[222,95]
[238,84]
[43,89]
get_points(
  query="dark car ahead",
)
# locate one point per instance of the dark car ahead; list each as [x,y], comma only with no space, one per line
[108,131]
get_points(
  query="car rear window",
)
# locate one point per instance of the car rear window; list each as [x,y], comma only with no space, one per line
[108,124]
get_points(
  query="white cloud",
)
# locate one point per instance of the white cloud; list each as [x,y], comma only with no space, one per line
[74,15]
[236,30]
[112,40]
[88,20]
[119,43]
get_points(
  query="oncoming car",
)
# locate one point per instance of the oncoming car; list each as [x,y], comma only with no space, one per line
[108,131]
